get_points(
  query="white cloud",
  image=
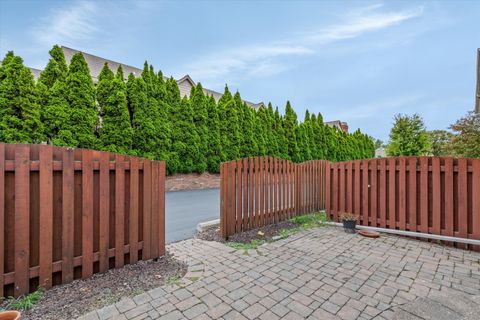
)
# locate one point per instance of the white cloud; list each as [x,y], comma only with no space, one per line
[269,59]
[66,25]
[358,24]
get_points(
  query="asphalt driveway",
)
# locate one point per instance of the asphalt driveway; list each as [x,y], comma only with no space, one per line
[185,209]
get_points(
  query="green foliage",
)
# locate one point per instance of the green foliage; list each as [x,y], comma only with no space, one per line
[115,132]
[200,114]
[408,137]
[290,126]
[311,220]
[466,141]
[254,244]
[185,139]
[19,110]
[440,141]
[214,149]
[23,303]
[146,116]
[78,129]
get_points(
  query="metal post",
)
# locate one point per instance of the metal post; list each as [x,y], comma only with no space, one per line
[477,96]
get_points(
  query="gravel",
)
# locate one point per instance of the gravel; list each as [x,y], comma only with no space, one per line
[82,296]
[269,231]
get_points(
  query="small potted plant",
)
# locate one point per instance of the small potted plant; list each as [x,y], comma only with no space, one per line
[349,221]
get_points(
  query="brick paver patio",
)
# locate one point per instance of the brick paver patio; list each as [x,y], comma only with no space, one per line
[319,274]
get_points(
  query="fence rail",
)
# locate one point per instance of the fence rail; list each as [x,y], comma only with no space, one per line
[68,213]
[264,190]
[423,194]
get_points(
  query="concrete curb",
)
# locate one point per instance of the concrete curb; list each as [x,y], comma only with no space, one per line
[202,226]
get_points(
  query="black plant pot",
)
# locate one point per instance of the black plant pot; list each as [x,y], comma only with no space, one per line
[349,225]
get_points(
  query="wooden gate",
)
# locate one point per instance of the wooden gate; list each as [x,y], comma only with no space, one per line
[68,213]
[264,190]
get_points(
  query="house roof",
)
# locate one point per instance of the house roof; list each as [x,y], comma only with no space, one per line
[96,63]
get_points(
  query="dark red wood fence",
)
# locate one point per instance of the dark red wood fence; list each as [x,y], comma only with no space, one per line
[424,194]
[264,190]
[68,213]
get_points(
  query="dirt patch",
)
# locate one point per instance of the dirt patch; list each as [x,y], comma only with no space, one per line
[270,232]
[192,181]
[71,300]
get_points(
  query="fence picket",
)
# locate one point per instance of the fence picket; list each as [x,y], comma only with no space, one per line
[402,193]
[423,196]
[365,193]
[22,219]
[436,187]
[104,221]
[46,216]
[87,213]
[133,227]
[392,216]
[412,196]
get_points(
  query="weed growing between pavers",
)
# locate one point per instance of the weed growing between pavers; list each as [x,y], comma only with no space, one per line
[303,222]
[173,281]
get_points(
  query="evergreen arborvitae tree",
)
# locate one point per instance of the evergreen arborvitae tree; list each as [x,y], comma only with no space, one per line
[185,140]
[304,153]
[259,131]
[248,145]
[143,124]
[272,139]
[19,111]
[290,125]
[51,86]
[115,133]
[230,132]
[56,68]
[214,150]
[280,135]
[79,128]
[223,121]
[199,106]
[158,110]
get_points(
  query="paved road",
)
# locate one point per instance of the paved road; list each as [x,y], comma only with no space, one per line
[185,209]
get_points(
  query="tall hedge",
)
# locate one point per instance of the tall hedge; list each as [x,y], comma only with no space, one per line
[146,116]
[19,110]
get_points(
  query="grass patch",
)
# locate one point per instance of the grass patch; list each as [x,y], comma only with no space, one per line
[173,281]
[312,220]
[303,222]
[24,302]
[254,244]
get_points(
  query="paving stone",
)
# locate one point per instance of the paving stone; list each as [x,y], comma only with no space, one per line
[219,310]
[195,311]
[107,312]
[125,304]
[254,311]
[321,273]
[142,298]
[135,312]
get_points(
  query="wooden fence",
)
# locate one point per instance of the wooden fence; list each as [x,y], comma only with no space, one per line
[66,214]
[424,194]
[264,190]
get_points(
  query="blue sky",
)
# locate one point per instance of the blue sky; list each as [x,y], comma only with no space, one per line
[360,62]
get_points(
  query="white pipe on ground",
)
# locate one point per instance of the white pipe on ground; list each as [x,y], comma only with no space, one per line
[414,234]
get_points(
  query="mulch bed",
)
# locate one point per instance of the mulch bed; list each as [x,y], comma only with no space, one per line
[192,181]
[269,231]
[74,299]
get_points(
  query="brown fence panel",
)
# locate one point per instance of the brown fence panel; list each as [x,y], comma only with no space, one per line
[265,190]
[426,194]
[66,214]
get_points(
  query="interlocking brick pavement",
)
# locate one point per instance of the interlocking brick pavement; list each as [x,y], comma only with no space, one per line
[321,273]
